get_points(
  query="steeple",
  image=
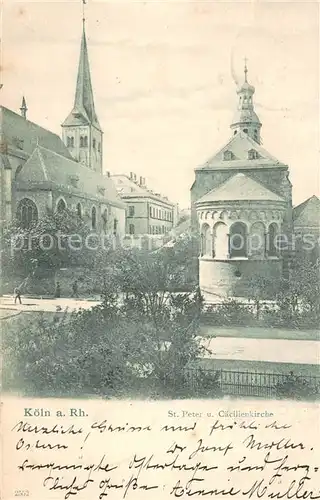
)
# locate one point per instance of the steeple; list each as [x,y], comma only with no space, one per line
[246,119]
[81,130]
[83,108]
[23,108]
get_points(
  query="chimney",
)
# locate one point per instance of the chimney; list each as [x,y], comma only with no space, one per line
[24,108]
[135,177]
[131,176]
[107,174]
[141,181]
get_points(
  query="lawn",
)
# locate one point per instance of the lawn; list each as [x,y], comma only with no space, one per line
[259,333]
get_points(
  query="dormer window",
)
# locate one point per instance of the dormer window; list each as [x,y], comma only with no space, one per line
[227,155]
[253,154]
[74,180]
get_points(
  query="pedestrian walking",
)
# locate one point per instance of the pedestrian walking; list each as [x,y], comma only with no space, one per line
[17,295]
[75,289]
[57,292]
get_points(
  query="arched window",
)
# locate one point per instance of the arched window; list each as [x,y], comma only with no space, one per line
[70,142]
[238,240]
[131,228]
[115,226]
[81,141]
[220,235]
[206,240]
[27,213]
[272,243]
[257,240]
[79,210]
[85,141]
[105,220]
[61,205]
[93,218]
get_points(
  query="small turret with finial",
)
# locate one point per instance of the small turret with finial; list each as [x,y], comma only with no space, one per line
[24,108]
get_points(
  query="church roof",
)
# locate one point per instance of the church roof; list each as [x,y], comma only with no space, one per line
[240,188]
[20,133]
[239,147]
[48,169]
[307,214]
[83,112]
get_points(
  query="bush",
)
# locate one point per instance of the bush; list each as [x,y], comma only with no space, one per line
[296,387]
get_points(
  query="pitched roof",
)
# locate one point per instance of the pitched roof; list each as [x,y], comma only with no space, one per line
[20,133]
[83,112]
[128,188]
[239,188]
[47,168]
[240,145]
[307,213]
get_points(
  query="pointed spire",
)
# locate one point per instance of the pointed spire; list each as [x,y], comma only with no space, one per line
[23,108]
[83,108]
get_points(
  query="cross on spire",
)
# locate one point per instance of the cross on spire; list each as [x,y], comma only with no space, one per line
[83,11]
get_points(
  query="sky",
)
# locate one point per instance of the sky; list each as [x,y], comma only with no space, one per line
[164,73]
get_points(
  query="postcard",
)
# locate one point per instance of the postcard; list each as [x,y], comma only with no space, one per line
[159,258]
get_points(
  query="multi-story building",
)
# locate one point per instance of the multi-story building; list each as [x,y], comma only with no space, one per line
[147,212]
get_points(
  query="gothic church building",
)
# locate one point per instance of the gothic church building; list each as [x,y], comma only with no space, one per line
[41,173]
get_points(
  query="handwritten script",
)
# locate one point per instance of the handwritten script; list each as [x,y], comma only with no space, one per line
[144,455]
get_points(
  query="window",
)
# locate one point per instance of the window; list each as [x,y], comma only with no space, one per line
[27,213]
[227,155]
[150,211]
[131,228]
[115,226]
[245,130]
[253,154]
[83,141]
[131,211]
[94,143]
[99,147]
[79,210]
[105,220]
[61,205]
[163,230]
[70,142]
[238,240]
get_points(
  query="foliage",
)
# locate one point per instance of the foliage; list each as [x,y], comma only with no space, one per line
[297,387]
[140,334]
[56,240]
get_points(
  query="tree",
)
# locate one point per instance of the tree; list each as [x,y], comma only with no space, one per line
[140,336]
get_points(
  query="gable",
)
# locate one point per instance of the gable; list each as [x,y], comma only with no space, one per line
[241,152]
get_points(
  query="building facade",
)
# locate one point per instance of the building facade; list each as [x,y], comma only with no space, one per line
[241,209]
[148,213]
[42,173]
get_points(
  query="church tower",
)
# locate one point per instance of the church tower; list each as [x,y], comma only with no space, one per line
[81,131]
[245,119]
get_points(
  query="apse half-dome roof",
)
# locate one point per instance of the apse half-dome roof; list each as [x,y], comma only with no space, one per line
[240,187]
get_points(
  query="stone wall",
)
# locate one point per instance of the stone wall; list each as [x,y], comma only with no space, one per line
[232,277]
